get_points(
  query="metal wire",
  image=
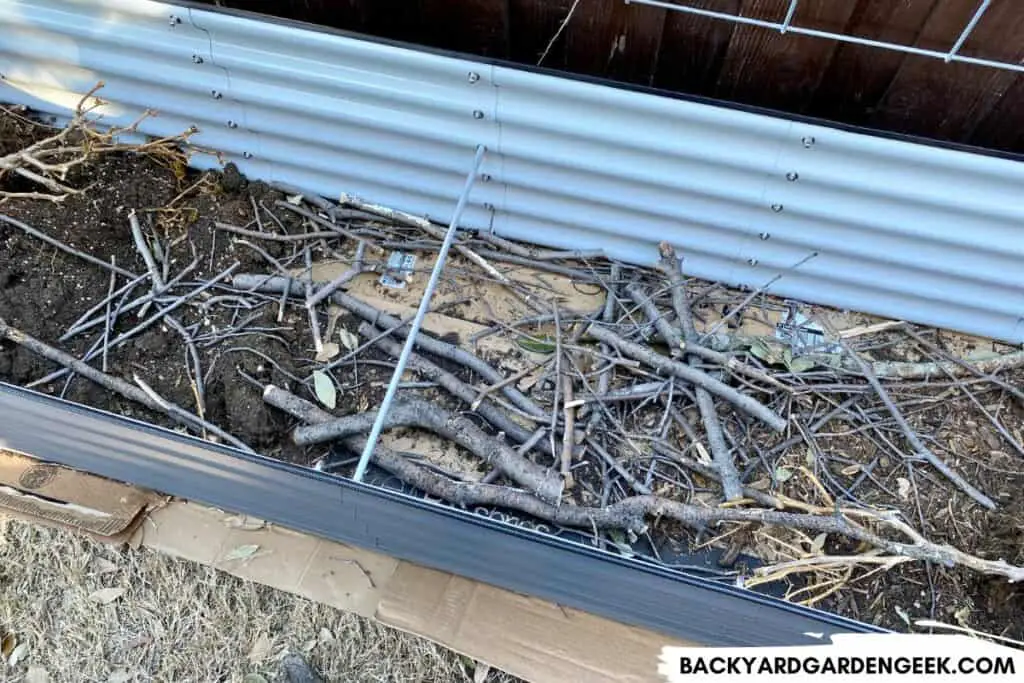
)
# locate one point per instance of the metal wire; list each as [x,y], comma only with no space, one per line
[951,56]
[403,359]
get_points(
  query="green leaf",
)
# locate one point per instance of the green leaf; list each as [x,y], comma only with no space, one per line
[545,345]
[802,364]
[782,474]
[326,393]
[242,552]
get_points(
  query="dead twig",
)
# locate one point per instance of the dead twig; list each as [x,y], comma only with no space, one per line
[115,384]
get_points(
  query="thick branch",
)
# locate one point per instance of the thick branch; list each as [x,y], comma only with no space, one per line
[415,412]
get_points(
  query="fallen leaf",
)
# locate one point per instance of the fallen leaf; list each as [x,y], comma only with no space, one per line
[963,616]
[326,393]
[37,674]
[903,487]
[702,454]
[326,637]
[902,613]
[105,596]
[481,672]
[104,566]
[851,470]
[7,645]
[245,523]
[295,199]
[308,647]
[545,345]
[802,364]
[18,655]
[349,340]
[810,458]
[242,552]
[818,544]
[260,649]
[782,474]
[329,351]
[121,676]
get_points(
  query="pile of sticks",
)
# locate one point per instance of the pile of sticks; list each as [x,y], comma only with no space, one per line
[639,411]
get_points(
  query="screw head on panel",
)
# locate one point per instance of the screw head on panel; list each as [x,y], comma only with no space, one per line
[174,20]
[776,208]
[473,77]
[477,114]
[217,94]
[485,177]
[196,59]
[808,141]
[752,262]
[765,236]
[792,176]
[247,155]
[232,124]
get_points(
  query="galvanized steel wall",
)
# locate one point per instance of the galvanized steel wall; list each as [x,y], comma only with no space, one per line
[889,227]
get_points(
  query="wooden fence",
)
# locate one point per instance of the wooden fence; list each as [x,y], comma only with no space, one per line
[640,44]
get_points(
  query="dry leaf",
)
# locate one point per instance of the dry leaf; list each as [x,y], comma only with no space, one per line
[903,487]
[104,566]
[242,552]
[481,672]
[245,523]
[37,674]
[105,596]
[329,351]
[902,614]
[818,544]
[295,199]
[851,470]
[326,393]
[350,341]
[702,454]
[7,645]
[260,649]
[782,474]
[121,676]
[18,655]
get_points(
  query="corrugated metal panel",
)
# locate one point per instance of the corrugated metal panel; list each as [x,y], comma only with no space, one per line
[888,227]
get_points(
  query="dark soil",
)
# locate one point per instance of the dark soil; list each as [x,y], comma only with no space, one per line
[43,292]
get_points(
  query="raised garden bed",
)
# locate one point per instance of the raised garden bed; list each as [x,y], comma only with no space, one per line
[844,433]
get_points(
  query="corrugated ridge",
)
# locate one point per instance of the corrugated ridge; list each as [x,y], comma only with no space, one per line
[899,229]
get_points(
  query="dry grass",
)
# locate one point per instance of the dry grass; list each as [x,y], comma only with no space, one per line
[179,621]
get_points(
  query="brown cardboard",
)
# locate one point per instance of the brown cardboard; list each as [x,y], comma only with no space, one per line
[60,496]
[528,637]
[331,573]
[531,638]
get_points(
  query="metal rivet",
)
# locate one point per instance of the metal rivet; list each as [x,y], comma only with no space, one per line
[473,77]
[175,20]
[196,59]
[765,235]
[752,262]
[232,124]
[478,114]
[792,176]
[217,94]
[776,208]
[486,177]
[808,141]
[247,155]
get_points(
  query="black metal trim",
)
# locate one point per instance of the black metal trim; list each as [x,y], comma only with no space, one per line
[410,529]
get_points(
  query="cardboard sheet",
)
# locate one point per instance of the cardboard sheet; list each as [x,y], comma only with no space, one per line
[58,496]
[531,638]
[528,637]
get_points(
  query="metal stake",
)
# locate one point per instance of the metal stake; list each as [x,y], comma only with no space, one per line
[967,29]
[789,15]
[403,359]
